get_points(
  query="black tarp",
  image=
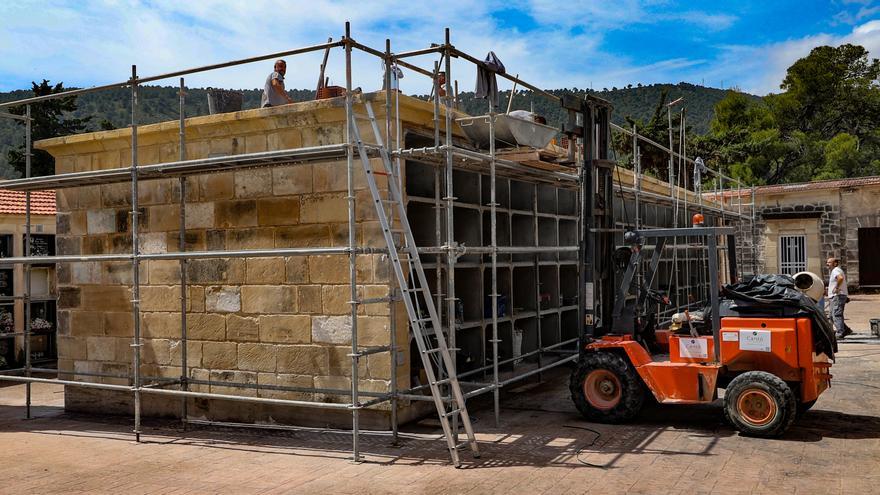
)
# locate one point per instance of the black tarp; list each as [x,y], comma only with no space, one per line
[773,291]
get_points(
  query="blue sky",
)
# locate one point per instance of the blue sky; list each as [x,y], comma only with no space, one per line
[747,44]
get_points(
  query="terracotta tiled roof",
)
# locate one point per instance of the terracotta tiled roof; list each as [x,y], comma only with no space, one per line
[802,186]
[13,202]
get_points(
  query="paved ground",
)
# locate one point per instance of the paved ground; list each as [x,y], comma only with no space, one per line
[541,446]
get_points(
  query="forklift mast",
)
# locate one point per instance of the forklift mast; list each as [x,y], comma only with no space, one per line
[589,121]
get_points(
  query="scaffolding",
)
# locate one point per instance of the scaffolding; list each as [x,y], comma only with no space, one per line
[502,254]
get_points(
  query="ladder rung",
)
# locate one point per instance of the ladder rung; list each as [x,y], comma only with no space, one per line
[437,349]
[452,413]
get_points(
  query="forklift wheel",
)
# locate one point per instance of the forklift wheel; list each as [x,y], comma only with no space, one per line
[759,404]
[605,388]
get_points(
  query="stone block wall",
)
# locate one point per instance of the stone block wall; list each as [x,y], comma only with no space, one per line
[830,233]
[263,321]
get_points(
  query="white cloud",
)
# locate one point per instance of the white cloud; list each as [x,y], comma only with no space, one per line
[760,69]
[85,43]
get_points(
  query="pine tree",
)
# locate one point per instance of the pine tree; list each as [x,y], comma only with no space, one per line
[48,121]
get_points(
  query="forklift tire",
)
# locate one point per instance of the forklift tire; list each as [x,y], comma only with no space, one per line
[606,388]
[759,404]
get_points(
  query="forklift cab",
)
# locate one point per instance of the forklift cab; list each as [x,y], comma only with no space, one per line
[766,361]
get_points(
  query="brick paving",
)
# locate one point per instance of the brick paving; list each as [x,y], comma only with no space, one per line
[541,446]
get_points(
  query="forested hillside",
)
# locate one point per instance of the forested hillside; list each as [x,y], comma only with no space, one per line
[825,124]
[112,108]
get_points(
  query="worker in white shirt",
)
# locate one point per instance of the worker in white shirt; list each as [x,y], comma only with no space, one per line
[837,297]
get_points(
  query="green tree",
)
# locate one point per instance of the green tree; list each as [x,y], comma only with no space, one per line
[48,121]
[832,90]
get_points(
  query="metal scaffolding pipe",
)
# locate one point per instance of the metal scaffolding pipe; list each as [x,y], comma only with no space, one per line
[135,262]
[169,75]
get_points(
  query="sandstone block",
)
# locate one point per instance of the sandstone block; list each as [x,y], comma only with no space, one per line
[216,271]
[242,329]
[302,236]
[164,271]
[296,270]
[303,359]
[101,348]
[199,215]
[376,386]
[161,325]
[294,179]
[86,323]
[206,326]
[278,211]
[105,298]
[329,269]
[119,273]
[373,330]
[256,357]
[215,239]
[193,353]
[287,329]
[115,195]
[154,192]
[78,222]
[235,214]
[253,183]
[220,355]
[68,297]
[264,271]
[192,241]
[72,348]
[228,376]
[286,380]
[82,273]
[255,143]
[101,221]
[331,329]
[164,217]
[308,298]
[330,177]
[375,291]
[213,187]
[340,383]
[223,299]
[195,299]
[267,299]
[156,351]
[118,324]
[379,366]
[160,298]
[63,322]
[340,362]
[87,198]
[335,299]
[258,238]
[68,244]
[123,350]
[324,208]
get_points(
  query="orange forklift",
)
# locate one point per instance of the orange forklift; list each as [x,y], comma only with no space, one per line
[763,341]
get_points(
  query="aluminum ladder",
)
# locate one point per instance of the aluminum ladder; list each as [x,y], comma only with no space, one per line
[415,292]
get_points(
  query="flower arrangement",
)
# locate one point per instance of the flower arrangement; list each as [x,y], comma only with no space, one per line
[40,324]
[7,325]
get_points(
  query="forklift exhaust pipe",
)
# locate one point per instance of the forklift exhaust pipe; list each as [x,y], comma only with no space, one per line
[810,284]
